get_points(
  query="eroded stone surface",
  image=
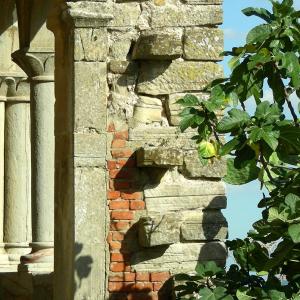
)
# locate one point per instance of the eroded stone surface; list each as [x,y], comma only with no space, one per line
[158,45]
[177,257]
[157,78]
[203,43]
[161,230]
[91,44]
[204,225]
[88,116]
[159,157]
[148,110]
[187,15]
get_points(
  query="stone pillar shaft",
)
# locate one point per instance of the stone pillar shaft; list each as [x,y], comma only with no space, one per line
[39,68]
[80,149]
[2,118]
[42,133]
[17,168]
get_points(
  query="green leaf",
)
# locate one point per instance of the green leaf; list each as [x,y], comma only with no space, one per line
[242,175]
[259,12]
[236,119]
[291,63]
[228,147]
[189,100]
[190,120]
[271,138]
[276,295]
[259,33]
[294,232]
[218,293]
[268,112]
[293,201]
[242,295]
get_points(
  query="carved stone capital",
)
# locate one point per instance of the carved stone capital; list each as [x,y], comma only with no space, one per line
[38,66]
[14,88]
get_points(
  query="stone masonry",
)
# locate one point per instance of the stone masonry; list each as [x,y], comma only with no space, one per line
[164,206]
[132,203]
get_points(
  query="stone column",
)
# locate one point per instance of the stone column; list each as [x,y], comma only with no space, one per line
[39,68]
[80,147]
[17,168]
[3,256]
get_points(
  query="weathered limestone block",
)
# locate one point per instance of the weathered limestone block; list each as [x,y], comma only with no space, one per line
[160,230]
[125,14]
[121,40]
[90,44]
[90,82]
[90,145]
[148,110]
[170,137]
[168,204]
[123,67]
[157,78]
[159,157]
[203,43]
[173,109]
[175,193]
[178,258]
[204,225]
[193,168]
[158,45]
[186,15]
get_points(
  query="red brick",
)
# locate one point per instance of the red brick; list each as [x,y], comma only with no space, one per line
[111,127]
[119,225]
[122,135]
[124,153]
[122,215]
[132,196]
[119,185]
[111,164]
[122,277]
[129,163]
[118,144]
[122,173]
[137,205]
[118,204]
[157,286]
[117,266]
[112,195]
[118,236]
[142,277]
[143,286]
[160,276]
[109,237]
[115,245]
[117,257]
[120,286]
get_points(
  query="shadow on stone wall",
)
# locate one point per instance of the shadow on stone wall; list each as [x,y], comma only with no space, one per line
[83,266]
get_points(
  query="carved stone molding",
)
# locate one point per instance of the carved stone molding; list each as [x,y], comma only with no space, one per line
[14,88]
[38,66]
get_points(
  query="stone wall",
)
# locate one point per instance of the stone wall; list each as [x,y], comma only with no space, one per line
[164,206]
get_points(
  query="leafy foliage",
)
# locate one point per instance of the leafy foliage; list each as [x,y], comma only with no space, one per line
[264,146]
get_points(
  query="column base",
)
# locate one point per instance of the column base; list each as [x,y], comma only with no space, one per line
[3,255]
[15,251]
[41,253]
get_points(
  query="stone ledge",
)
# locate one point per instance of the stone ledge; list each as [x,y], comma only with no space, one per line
[184,226]
[159,157]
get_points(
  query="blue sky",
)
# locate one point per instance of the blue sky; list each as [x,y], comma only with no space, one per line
[242,210]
